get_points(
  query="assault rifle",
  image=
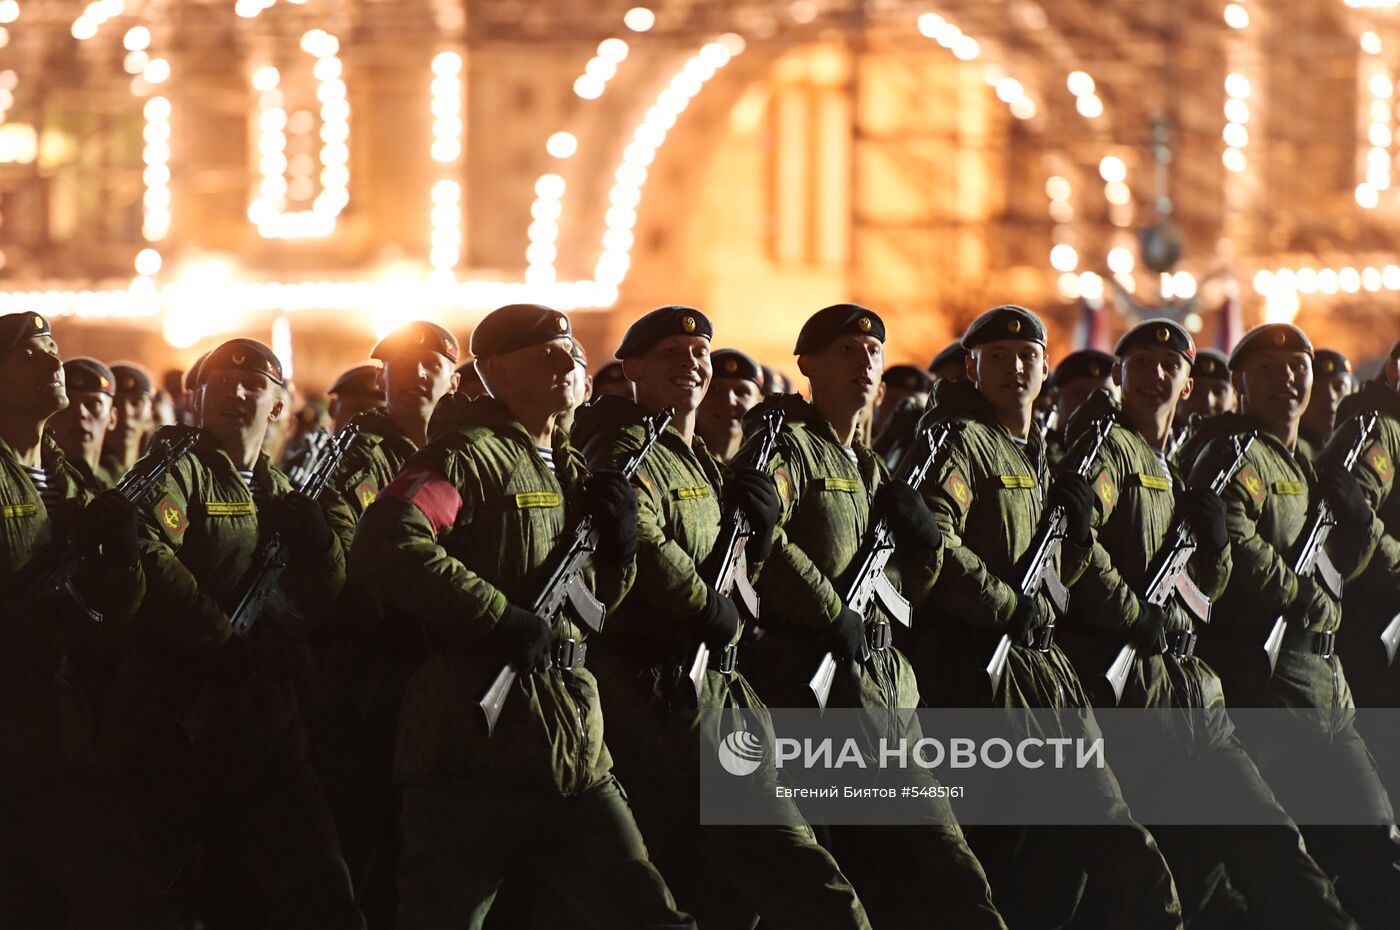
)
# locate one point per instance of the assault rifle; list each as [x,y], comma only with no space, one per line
[168,445]
[563,585]
[1312,557]
[1040,575]
[271,560]
[869,584]
[731,573]
[1168,571]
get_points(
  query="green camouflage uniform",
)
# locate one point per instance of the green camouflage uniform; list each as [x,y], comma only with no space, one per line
[987,494]
[826,491]
[203,731]
[1135,493]
[1268,504]
[467,527]
[55,816]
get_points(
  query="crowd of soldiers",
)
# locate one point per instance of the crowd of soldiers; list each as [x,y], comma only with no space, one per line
[172,758]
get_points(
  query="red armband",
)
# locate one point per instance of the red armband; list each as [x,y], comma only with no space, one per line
[430,492]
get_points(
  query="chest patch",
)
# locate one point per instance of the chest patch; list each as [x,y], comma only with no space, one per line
[1017,482]
[365,493]
[957,489]
[229,508]
[1290,488]
[16,511]
[1153,482]
[526,500]
[1253,484]
[172,518]
[690,494]
[1380,462]
[843,485]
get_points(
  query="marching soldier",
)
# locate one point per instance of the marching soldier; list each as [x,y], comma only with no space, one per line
[203,731]
[1074,381]
[354,392]
[371,655]
[989,493]
[1268,504]
[458,540]
[1332,382]
[1137,494]
[830,487]
[469,382]
[610,380]
[1213,393]
[136,420]
[61,835]
[80,427]
[778,873]
[901,383]
[736,388]
[949,365]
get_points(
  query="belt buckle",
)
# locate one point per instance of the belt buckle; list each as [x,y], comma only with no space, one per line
[1181,643]
[879,635]
[725,662]
[1043,638]
[568,653]
[1325,643]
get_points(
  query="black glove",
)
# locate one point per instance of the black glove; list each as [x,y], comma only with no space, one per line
[1204,511]
[523,637]
[1343,494]
[613,504]
[908,516]
[847,636]
[1148,633]
[1029,615]
[109,522]
[1074,494]
[302,524]
[756,494]
[718,622]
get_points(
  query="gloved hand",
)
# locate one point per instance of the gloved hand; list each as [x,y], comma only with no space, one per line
[1312,607]
[302,524]
[613,504]
[1343,494]
[718,622]
[1148,632]
[523,638]
[755,492]
[109,522]
[846,638]
[1204,511]
[1073,493]
[908,516]
[1030,614]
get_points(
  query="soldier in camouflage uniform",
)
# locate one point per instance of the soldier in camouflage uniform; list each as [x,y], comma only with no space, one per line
[1333,380]
[135,413]
[80,427]
[736,388]
[610,380]
[1075,379]
[1267,506]
[1137,496]
[203,731]
[988,496]
[830,485]
[66,859]
[725,876]
[460,540]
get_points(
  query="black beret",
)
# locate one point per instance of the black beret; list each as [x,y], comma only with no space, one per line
[131,378]
[362,379]
[1284,336]
[907,377]
[1005,322]
[731,363]
[1086,363]
[240,355]
[660,323]
[611,373]
[88,374]
[1163,333]
[1211,363]
[838,320]
[191,379]
[21,327]
[953,354]
[416,336]
[1328,362]
[774,381]
[516,326]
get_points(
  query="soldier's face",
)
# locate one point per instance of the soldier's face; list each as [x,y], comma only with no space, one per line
[234,404]
[344,407]
[1153,380]
[84,422]
[538,378]
[1210,397]
[1009,372]
[1275,385]
[675,372]
[726,402]
[846,370]
[1327,395]
[416,380]
[955,370]
[1072,394]
[135,413]
[31,378]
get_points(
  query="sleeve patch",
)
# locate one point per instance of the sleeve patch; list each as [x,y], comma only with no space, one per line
[1107,492]
[957,488]
[430,492]
[172,518]
[1380,462]
[1253,484]
[784,484]
[365,493]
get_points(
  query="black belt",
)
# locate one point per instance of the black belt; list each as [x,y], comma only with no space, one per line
[1040,638]
[1181,643]
[725,660]
[568,653]
[1321,644]
[878,635]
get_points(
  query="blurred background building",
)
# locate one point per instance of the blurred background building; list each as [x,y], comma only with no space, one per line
[312,173]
